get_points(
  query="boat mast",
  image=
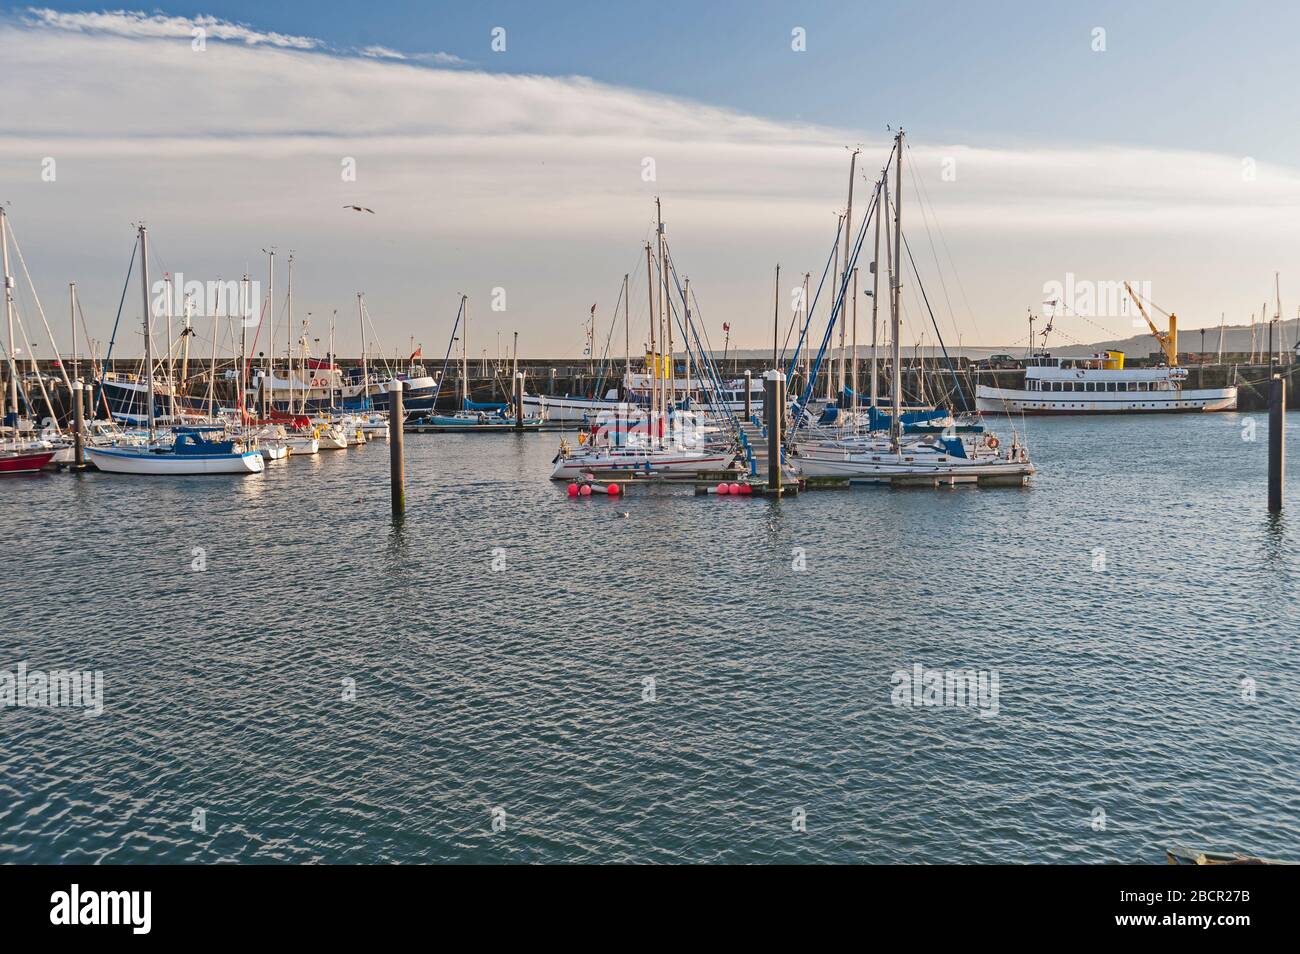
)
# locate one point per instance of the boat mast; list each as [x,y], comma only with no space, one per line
[464,356]
[269,391]
[895,317]
[12,412]
[627,336]
[186,333]
[334,317]
[72,323]
[848,227]
[855,351]
[212,368]
[288,341]
[365,370]
[148,336]
[665,302]
[835,290]
[875,296]
[245,307]
[686,319]
[654,353]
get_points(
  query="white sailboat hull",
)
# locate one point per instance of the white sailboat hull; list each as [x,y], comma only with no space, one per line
[632,462]
[115,460]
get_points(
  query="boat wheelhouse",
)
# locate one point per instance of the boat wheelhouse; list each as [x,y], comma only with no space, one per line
[1100,384]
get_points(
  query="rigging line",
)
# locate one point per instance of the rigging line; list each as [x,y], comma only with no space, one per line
[40,310]
[943,240]
[442,375]
[103,368]
[917,275]
[934,253]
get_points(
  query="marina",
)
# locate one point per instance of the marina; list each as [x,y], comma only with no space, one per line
[722,435]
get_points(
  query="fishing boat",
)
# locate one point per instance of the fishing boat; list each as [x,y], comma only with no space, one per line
[193,450]
[648,461]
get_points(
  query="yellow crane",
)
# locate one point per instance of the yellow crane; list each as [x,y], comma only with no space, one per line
[1168,339]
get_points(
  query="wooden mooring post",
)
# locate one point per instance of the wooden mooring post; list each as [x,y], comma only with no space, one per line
[78,427]
[774,415]
[396,463]
[1276,442]
[519,400]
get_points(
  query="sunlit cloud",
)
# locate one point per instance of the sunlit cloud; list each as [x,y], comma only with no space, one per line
[539,184]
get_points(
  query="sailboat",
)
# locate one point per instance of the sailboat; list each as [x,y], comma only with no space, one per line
[194,450]
[665,438]
[947,457]
[471,417]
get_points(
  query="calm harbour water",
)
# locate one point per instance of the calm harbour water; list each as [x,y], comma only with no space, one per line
[523,689]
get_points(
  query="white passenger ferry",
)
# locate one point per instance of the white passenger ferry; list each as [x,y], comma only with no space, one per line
[1100,384]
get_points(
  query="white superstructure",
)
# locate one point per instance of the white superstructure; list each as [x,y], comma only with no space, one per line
[1100,384]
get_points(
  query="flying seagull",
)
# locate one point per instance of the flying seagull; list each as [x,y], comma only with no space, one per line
[358,208]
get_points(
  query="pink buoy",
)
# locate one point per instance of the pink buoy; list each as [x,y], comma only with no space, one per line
[746,490]
[573,490]
[615,490]
[735,489]
[723,489]
[585,490]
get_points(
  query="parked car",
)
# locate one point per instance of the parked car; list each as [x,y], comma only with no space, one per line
[999,362]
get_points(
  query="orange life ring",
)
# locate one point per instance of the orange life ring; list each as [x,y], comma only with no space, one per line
[992,442]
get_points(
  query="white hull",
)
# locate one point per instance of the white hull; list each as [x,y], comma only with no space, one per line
[991,400]
[656,462]
[305,446]
[129,461]
[923,468]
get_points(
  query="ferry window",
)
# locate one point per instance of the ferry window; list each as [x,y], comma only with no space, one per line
[1089,386]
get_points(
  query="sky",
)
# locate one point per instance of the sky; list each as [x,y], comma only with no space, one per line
[1050,145]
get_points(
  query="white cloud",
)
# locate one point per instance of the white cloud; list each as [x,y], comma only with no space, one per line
[535,184]
[140,25]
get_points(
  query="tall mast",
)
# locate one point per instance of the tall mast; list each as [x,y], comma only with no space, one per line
[855,350]
[365,369]
[464,354]
[148,334]
[627,335]
[186,333]
[12,412]
[288,340]
[270,321]
[245,293]
[848,227]
[212,368]
[895,317]
[72,323]
[665,302]
[654,353]
[875,295]
[686,321]
[334,317]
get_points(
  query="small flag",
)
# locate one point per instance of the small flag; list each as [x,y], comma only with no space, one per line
[593,309]
[725,326]
[417,353]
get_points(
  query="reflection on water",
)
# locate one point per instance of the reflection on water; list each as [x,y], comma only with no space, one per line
[523,687]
